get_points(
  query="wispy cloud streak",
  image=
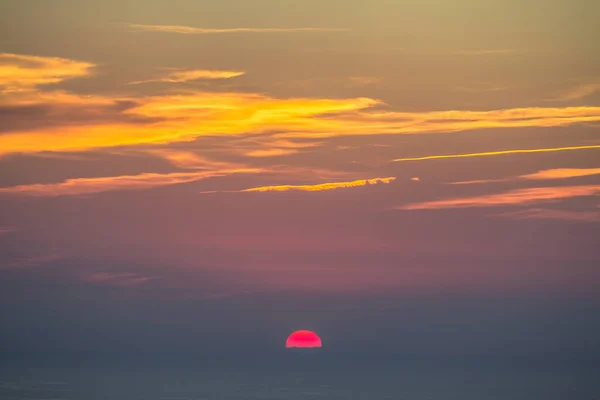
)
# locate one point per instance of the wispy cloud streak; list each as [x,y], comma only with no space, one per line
[497,153]
[548,174]
[322,186]
[192,75]
[513,197]
[83,186]
[21,72]
[189,30]
[561,215]
[578,92]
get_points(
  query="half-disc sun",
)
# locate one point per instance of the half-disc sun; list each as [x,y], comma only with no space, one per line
[303,339]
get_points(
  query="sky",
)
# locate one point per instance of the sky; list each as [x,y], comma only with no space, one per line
[402,177]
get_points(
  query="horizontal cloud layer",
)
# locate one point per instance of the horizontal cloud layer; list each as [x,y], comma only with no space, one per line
[189,30]
[82,186]
[561,215]
[513,197]
[193,75]
[19,72]
[88,122]
[548,174]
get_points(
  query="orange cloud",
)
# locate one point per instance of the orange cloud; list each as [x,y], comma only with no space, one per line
[76,123]
[548,174]
[561,173]
[204,31]
[22,72]
[497,153]
[270,152]
[513,197]
[322,186]
[193,75]
[191,160]
[83,186]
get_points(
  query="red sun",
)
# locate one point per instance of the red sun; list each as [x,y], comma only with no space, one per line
[303,339]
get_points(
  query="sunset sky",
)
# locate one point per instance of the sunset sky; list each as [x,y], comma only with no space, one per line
[176,172]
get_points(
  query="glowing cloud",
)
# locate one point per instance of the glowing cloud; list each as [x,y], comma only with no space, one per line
[20,72]
[561,173]
[82,186]
[191,160]
[548,174]
[193,75]
[497,153]
[271,152]
[73,122]
[513,197]
[322,186]
[189,30]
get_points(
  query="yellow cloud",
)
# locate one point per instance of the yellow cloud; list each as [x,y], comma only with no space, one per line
[182,118]
[83,186]
[103,121]
[193,75]
[270,152]
[204,31]
[322,186]
[497,153]
[20,72]
[513,197]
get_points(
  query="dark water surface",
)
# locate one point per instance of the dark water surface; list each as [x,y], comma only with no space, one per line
[297,377]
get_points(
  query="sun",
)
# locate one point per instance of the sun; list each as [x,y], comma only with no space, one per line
[303,339]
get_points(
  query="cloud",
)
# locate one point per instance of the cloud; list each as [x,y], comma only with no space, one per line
[191,160]
[32,261]
[497,153]
[486,52]
[227,294]
[322,186]
[271,152]
[561,173]
[124,279]
[67,111]
[562,215]
[193,75]
[22,72]
[5,230]
[577,93]
[206,31]
[548,174]
[83,186]
[510,198]
[65,122]
[365,80]
[183,118]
